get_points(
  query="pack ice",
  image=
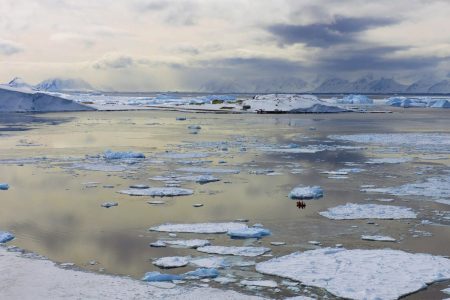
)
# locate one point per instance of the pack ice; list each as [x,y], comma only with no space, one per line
[352,211]
[360,274]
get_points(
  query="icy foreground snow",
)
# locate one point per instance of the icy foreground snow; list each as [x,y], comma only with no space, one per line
[24,278]
[351,211]
[160,192]
[306,192]
[200,227]
[231,250]
[360,274]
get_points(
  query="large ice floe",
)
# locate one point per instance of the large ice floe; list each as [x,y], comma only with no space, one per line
[171,262]
[360,274]
[351,211]
[436,188]
[158,192]
[232,250]
[410,142]
[355,99]
[6,237]
[200,227]
[195,243]
[306,192]
[292,103]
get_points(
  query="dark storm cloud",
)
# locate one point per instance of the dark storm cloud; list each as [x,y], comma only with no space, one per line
[341,30]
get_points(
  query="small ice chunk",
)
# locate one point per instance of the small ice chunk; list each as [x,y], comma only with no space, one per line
[314,243]
[195,243]
[306,192]
[202,273]
[352,211]
[4,186]
[248,233]
[139,186]
[158,277]
[181,118]
[194,127]
[224,280]
[200,227]
[158,244]
[446,291]
[262,283]
[171,262]
[232,250]
[156,202]
[278,243]
[161,192]
[197,205]
[378,238]
[109,204]
[6,237]
[108,154]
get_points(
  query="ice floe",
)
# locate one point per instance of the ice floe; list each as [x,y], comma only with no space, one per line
[200,227]
[261,283]
[388,160]
[6,237]
[171,262]
[211,262]
[202,273]
[109,204]
[102,167]
[378,238]
[352,211]
[4,186]
[306,192]
[158,277]
[360,274]
[231,250]
[108,154]
[161,192]
[195,243]
[249,233]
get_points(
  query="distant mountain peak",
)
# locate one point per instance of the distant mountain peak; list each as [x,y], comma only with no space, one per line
[64,84]
[18,82]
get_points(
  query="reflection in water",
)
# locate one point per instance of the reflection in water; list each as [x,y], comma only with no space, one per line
[53,212]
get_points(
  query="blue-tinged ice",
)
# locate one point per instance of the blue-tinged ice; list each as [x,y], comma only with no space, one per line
[306,192]
[203,273]
[6,237]
[4,186]
[248,233]
[355,99]
[158,277]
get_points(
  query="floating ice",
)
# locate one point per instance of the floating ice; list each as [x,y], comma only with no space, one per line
[161,192]
[378,238]
[171,262]
[139,186]
[360,274]
[231,250]
[248,233]
[109,204]
[388,160]
[351,211]
[102,167]
[224,280]
[208,170]
[158,277]
[108,154]
[195,243]
[211,262]
[185,155]
[200,227]
[202,179]
[158,244]
[262,283]
[306,192]
[202,273]
[6,237]
[355,99]
[4,186]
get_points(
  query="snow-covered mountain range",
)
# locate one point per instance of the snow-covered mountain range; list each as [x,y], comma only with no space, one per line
[54,85]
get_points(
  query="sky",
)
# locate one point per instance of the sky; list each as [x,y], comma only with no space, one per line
[180,45]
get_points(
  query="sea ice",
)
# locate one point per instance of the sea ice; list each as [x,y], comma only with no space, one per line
[161,192]
[108,154]
[388,160]
[211,262]
[262,283]
[360,274]
[158,277]
[195,243]
[208,170]
[202,273]
[200,227]
[378,238]
[248,233]
[6,237]
[351,211]
[231,250]
[171,262]
[4,186]
[306,192]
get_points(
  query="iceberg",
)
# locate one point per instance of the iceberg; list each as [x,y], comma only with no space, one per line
[306,192]
[171,262]
[355,99]
[249,233]
[352,211]
[378,238]
[108,154]
[4,186]
[360,274]
[160,192]
[6,237]
[200,227]
[232,250]
[158,277]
